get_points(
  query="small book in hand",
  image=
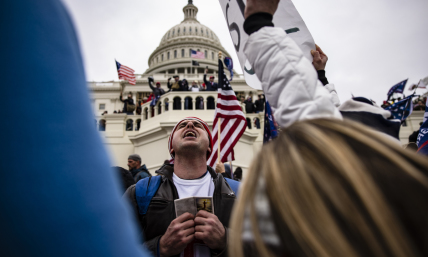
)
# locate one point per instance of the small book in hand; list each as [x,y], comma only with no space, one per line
[193,204]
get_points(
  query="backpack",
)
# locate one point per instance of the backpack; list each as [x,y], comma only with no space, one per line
[146,188]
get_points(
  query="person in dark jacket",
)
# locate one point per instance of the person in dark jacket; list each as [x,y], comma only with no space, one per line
[190,145]
[260,104]
[249,105]
[125,177]
[210,85]
[127,101]
[157,91]
[137,171]
[177,85]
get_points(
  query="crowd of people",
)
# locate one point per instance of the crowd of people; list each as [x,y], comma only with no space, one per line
[335,182]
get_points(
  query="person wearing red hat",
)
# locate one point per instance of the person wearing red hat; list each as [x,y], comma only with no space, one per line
[190,145]
[158,91]
[211,85]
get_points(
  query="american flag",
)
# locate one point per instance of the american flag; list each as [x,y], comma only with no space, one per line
[126,73]
[233,121]
[197,54]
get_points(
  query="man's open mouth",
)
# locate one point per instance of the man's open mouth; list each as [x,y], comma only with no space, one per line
[190,134]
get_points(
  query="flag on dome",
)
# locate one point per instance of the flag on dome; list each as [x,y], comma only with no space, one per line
[232,120]
[197,54]
[402,109]
[423,135]
[126,73]
[399,88]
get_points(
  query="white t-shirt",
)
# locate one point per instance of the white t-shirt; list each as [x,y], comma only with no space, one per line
[202,187]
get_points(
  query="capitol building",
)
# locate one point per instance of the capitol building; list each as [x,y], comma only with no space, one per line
[147,134]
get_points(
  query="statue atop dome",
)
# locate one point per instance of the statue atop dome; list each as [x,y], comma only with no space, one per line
[190,1]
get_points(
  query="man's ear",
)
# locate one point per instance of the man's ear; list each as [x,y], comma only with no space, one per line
[172,152]
[209,150]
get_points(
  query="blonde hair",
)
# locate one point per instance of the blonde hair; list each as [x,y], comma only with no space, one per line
[331,185]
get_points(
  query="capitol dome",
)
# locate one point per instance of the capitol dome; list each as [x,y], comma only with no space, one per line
[173,53]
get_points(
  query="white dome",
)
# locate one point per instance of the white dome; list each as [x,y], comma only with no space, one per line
[174,49]
[189,28]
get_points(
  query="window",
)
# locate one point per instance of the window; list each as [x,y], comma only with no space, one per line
[190,52]
[169,33]
[212,55]
[202,31]
[182,52]
[206,54]
[178,32]
[196,30]
[207,34]
[184,30]
[173,32]
[102,106]
[167,55]
[162,58]
[175,53]
[190,29]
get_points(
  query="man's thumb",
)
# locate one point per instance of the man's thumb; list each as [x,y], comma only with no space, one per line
[316,55]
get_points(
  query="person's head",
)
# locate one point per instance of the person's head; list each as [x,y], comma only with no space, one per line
[176,78]
[134,161]
[238,173]
[190,137]
[212,79]
[242,98]
[129,96]
[335,188]
[195,83]
[420,102]
[158,84]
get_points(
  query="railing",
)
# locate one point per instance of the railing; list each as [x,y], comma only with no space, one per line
[172,103]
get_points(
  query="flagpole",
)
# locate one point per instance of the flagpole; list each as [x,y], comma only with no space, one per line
[417,86]
[219,125]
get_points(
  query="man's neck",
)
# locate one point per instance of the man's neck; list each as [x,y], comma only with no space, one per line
[190,167]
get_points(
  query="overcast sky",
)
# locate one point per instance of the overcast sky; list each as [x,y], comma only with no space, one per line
[371,44]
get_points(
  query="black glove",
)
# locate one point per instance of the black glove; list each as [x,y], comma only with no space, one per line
[151,79]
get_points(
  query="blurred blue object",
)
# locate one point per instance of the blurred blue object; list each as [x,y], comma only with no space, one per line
[58,194]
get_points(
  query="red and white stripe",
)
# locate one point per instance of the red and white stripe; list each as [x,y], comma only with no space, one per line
[198,55]
[233,124]
[126,73]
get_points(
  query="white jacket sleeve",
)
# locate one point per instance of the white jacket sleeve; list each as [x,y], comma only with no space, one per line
[289,80]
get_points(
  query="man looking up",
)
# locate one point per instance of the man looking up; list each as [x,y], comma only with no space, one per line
[137,171]
[190,145]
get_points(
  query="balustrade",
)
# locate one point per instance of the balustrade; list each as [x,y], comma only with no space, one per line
[171,102]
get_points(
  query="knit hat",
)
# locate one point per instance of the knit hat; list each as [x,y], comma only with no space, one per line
[207,129]
[158,83]
[135,157]
[212,77]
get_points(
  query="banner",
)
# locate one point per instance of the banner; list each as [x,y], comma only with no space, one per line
[286,17]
